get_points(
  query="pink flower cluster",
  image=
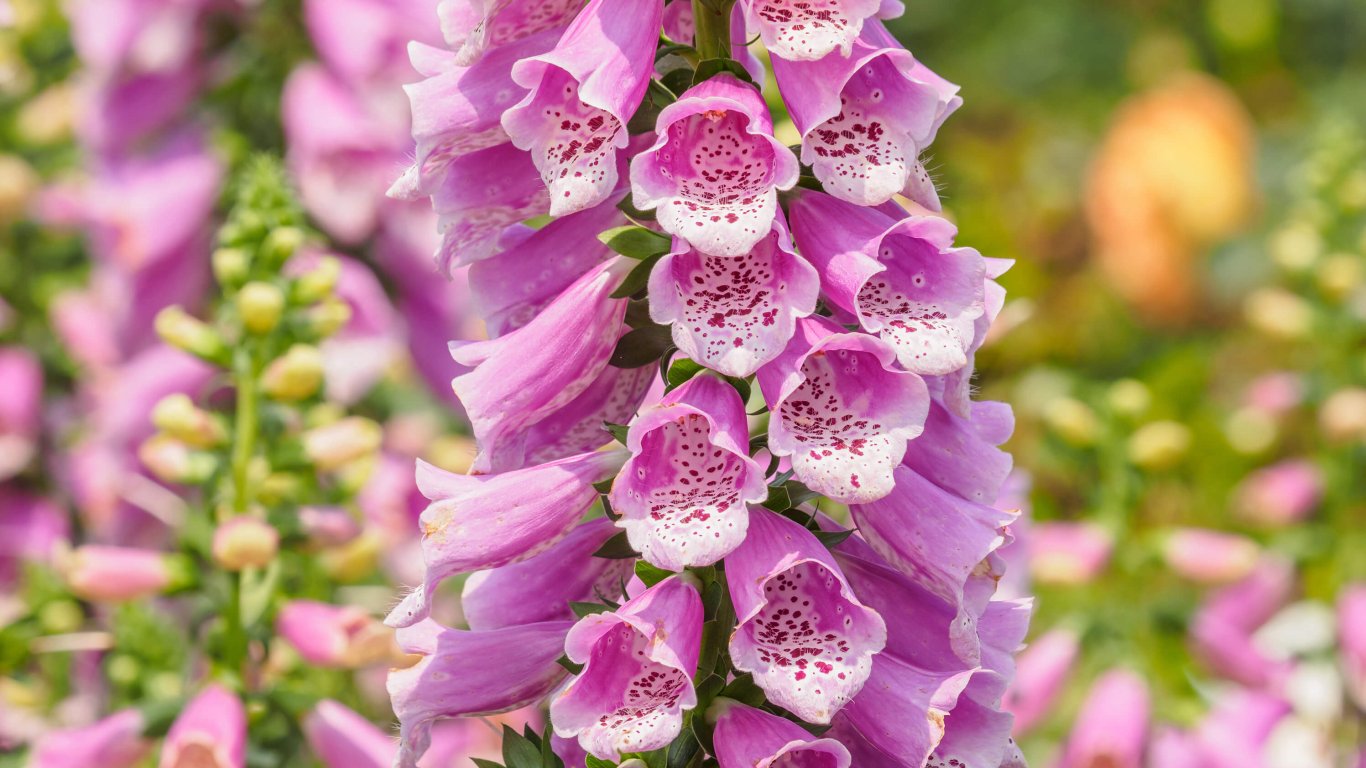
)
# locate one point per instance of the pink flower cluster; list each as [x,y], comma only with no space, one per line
[623,207]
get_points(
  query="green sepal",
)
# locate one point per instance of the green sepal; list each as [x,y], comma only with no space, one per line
[587,609]
[520,750]
[680,371]
[635,242]
[636,280]
[710,68]
[641,346]
[616,548]
[651,574]
[618,433]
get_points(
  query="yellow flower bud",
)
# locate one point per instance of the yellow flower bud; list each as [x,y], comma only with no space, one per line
[282,243]
[295,375]
[177,416]
[1072,420]
[230,265]
[335,445]
[1159,445]
[317,283]
[328,317]
[261,305]
[176,327]
[174,461]
[245,542]
[1129,397]
[1279,313]
[1343,415]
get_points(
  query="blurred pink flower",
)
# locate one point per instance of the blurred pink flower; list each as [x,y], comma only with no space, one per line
[31,528]
[334,635]
[1068,553]
[21,407]
[1352,639]
[1112,728]
[1041,672]
[1222,628]
[114,742]
[116,574]
[1208,556]
[1280,494]
[211,732]
[1275,393]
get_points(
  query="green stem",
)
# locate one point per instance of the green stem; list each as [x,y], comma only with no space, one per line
[243,448]
[711,19]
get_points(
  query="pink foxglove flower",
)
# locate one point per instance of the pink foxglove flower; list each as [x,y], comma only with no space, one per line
[866,118]
[682,495]
[479,197]
[470,673]
[800,629]
[473,27]
[211,732]
[1281,494]
[733,314]
[1112,728]
[961,454]
[901,278]
[747,737]
[714,171]
[1068,552]
[582,95]
[1222,628]
[841,410]
[21,377]
[804,30]
[1352,640]
[116,574]
[541,588]
[114,742]
[329,635]
[636,681]
[1043,670]
[1208,556]
[32,529]
[485,521]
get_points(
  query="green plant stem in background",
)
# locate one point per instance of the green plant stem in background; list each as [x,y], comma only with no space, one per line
[243,448]
[711,19]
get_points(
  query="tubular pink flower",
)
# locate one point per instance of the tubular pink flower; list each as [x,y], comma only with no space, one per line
[902,279]
[541,588]
[613,397]
[841,410]
[1222,628]
[116,574]
[211,732]
[479,197]
[474,27]
[734,314]
[961,454]
[470,673]
[1352,639]
[866,117]
[714,171]
[486,521]
[329,635]
[637,676]
[1112,728]
[800,629]
[528,374]
[682,494]
[1043,670]
[21,378]
[804,30]
[1068,552]
[1208,556]
[114,742]
[752,738]
[582,95]
[342,738]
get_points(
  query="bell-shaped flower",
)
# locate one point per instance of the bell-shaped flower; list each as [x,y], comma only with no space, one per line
[956,387]
[473,28]
[900,712]
[528,374]
[479,197]
[341,738]
[1222,628]
[487,521]
[541,588]
[902,279]
[682,494]
[636,680]
[714,171]
[800,629]
[465,673]
[1042,672]
[804,30]
[746,737]
[583,92]
[733,314]
[113,742]
[865,118]
[1112,728]
[613,397]
[841,410]
[211,732]
[100,573]
[329,635]
[961,454]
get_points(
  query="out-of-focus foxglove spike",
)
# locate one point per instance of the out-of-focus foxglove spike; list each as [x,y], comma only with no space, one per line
[746,737]
[906,283]
[841,410]
[1222,628]
[866,117]
[733,314]
[801,631]
[486,521]
[804,30]
[211,732]
[113,742]
[682,495]
[470,673]
[583,92]
[541,588]
[715,168]
[1112,729]
[473,28]
[636,681]
[479,197]
[528,374]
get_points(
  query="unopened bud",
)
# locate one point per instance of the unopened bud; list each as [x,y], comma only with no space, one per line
[231,265]
[260,305]
[317,283]
[18,182]
[245,542]
[174,461]
[1209,557]
[335,445]
[176,327]
[1251,431]
[1343,415]
[1340,274]
[116,574]
[281,243]
[1159,445]
[1296,247]
[328,317]
[1129,397]
[353,561]
[329,526]
[177,416]
[1072,420]
[279,487]
[295,375]
[323,414]
[1279,313]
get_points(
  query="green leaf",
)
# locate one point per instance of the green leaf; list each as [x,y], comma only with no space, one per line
[650,574]
[482,763]
[744,689]
[636,280]
[778,500]
[635,242]
[634,213]
[603,486]
[832,539]
[587,609]
[570,666]
[616,548]
[681,371]
[682,750]
[618,433]
[519,751]
[678,80]
[799,493]
[710,68]
[641,347]
[638,313]
[597,762]
[741,386]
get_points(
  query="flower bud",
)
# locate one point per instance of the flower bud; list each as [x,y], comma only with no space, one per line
[317,283]
[1275,393]
[261,305]
[245,542]
[18,182]
[1339,275]
[173,461]
[1281,494]
[114,742]
[295,375]
[1208,556]
[354,561]
[328,317]
[1068,553]
[177,416]
[1072,420]
[1296,247]
[177,328]
[211,732]
[281,243]
[1129,397]
[116,574]
[1251,431]
[279,487]
[328,635]
[1279,313]
[329,526]
[1159,445]
[231,266]
[331,446]
[1343,415]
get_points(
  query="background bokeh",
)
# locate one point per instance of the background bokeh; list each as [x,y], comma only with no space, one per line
[1182,186]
